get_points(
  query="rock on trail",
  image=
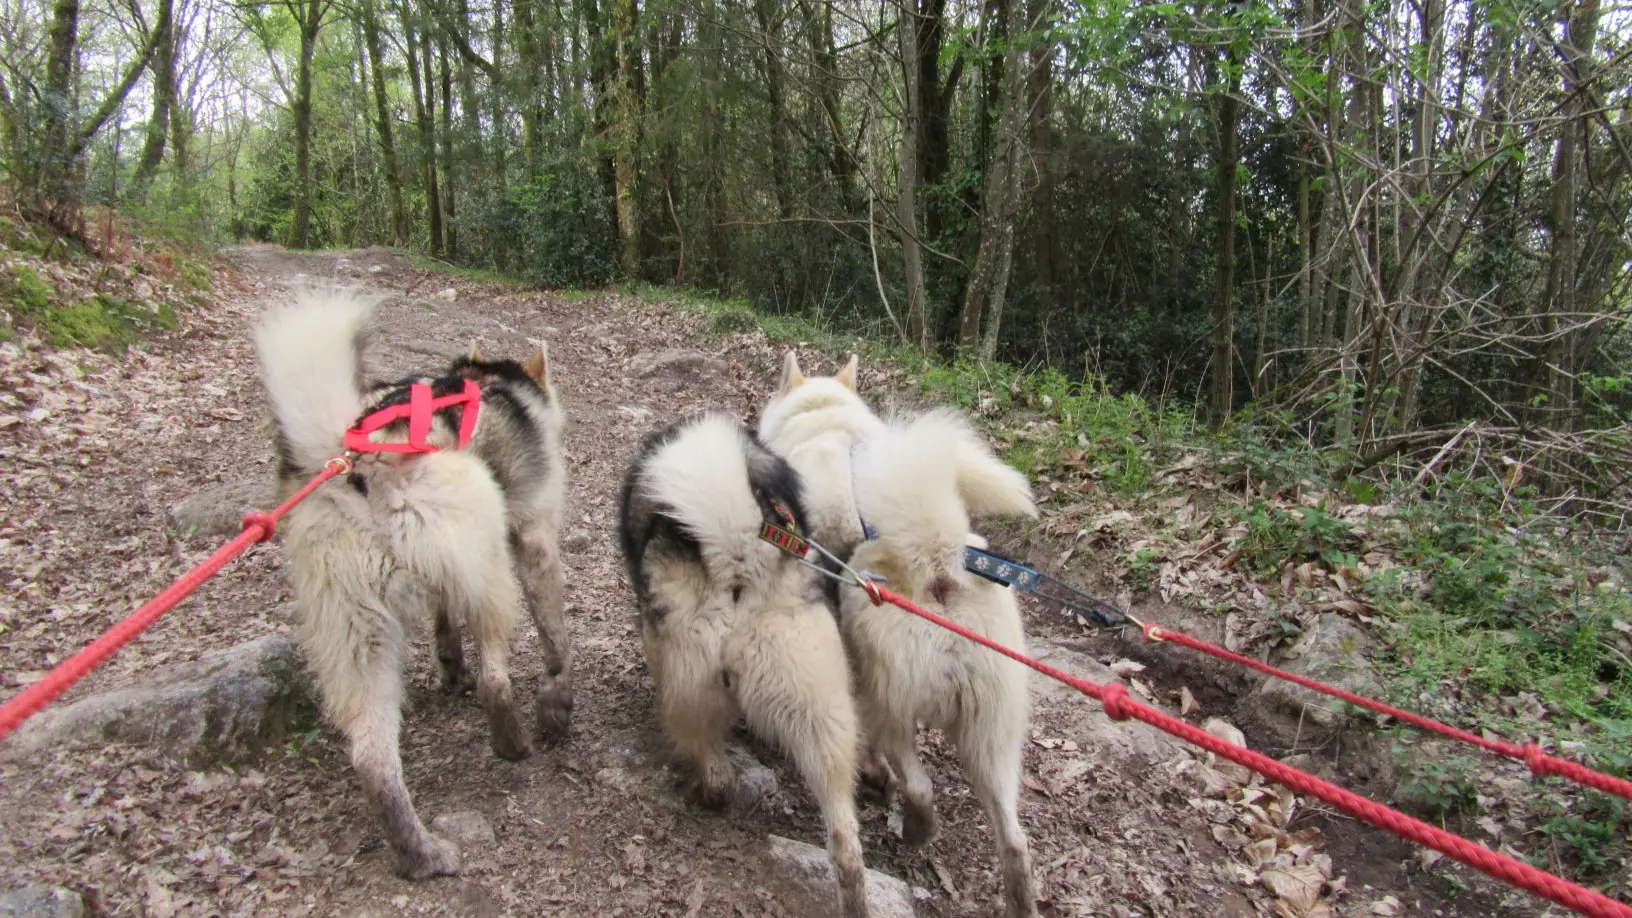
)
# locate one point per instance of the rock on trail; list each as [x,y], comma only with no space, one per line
[227,704]
[42,902]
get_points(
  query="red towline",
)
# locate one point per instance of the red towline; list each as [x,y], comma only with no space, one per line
[1540,763]
[1119,706]
[258,527]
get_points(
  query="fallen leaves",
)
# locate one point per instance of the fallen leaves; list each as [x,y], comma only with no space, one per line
[1252,820]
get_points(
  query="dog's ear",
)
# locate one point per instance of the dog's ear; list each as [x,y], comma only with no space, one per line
[538,366]
[475,349]
[846,377]
[792,376]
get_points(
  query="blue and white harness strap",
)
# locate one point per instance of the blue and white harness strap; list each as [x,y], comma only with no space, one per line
[1085,609]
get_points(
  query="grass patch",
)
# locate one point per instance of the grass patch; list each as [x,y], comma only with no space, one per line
[30,292]
[104,322]
[480,275]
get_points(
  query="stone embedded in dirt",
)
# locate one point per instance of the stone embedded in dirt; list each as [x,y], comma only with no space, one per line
[577,541]
[467,829]
[376,269]
[42,902]
[218,509]
[807,868]
[1098,738]
[675,362]
[617,778]
[1334,650]
[226,704]
[756,785]
[448,295]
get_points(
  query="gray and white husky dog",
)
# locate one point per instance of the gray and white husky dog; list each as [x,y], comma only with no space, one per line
[457,536]
[734,627]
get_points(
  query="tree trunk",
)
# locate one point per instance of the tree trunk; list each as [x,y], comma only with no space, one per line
[424,115]
[603,79]
[1042,153]
[400,227]
[841,164]
[450,219]
[935,97]
[164,97]
[1555,376]
[531,64]
[907,180]
[52,181]
[309,18]
[767,15]
[1222,390]
[989,277]
[626,134]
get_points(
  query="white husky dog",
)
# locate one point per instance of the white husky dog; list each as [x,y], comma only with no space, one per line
[917,483]
[733,626]
[409,537]
[813,422]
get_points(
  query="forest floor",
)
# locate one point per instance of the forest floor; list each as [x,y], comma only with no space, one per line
[1121,823]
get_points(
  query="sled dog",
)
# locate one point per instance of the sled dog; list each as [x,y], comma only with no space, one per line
[918,482]
[443,535]
[733,626]
[813,422]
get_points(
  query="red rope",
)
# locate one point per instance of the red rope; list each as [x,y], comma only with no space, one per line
[1119,706]
[258,527]
[1541,764]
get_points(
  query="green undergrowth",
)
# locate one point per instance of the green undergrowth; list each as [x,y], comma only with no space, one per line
[479,275]
[55,289]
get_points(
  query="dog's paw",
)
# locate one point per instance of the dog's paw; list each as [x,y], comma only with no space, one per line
[877,782]
[434,857]
[552,711]
[918,826]
[716,785]
[457,681]
[509,740]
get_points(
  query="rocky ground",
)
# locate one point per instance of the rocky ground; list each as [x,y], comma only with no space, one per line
[191,779]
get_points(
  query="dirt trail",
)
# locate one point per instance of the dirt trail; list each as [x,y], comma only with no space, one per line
[595,826]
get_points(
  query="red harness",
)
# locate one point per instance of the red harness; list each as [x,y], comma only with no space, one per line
[418,410]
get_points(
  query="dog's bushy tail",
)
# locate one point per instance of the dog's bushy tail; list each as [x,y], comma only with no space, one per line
[704,479]
[921,480]
[310,353]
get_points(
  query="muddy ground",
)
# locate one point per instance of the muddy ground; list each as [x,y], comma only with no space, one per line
[597,826]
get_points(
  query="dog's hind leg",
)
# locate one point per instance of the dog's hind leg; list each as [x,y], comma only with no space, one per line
[989,740]
[696,706]
[538,557]
[794,688]
[450,654]
[897,741]
[491,614]
[358,665]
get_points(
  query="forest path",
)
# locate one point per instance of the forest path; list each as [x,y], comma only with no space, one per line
[596,825]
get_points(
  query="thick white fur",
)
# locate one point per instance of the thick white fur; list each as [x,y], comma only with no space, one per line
[813,422]
[919,482]
[430,537]
[702,477]
[746,634]
[310,368]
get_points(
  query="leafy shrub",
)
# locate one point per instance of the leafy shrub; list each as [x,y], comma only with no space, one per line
[557,231]
[1439,787]
[1276,537]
